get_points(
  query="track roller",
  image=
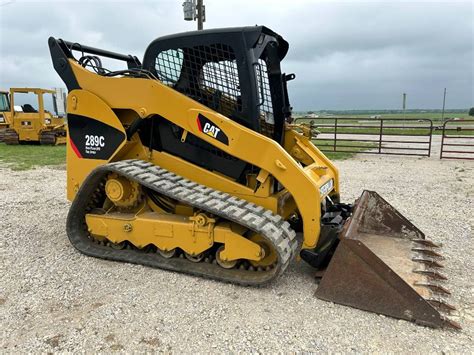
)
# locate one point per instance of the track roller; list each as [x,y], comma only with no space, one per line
[167,254]
[226,264]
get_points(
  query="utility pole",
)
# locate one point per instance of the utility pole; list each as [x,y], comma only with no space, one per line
[444,103]
[200,14]
[195,10]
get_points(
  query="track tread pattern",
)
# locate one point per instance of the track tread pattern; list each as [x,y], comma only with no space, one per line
[49,137]
[2,134]
[271,227]
[11,137]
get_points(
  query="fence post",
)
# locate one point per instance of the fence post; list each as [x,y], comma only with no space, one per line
[335,134]
[431,138]
[380,137]
[442,140]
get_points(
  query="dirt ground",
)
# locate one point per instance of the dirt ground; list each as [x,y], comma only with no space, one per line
[54,299]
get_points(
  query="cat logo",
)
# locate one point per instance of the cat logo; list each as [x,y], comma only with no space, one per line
[206,126]
[211,130]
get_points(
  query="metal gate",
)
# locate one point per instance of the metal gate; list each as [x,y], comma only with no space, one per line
[457,141]
[393,136]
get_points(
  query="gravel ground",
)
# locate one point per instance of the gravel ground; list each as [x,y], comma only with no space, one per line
[54,299]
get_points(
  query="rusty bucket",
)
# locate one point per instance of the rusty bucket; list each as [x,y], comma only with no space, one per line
[384,264]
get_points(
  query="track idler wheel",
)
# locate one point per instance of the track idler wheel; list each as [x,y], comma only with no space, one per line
[269,257]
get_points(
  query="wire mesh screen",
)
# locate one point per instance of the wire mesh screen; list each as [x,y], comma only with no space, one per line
[267,121]
[168,66]
[207,74]
[221,79]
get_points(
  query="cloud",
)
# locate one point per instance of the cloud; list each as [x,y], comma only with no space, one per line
[345,54]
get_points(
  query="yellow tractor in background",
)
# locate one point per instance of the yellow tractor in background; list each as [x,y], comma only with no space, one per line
[189,161]
[31,122]
[4,113]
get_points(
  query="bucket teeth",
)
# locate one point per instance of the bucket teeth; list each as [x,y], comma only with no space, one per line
[384,264]
[426,242]
[441,305]
[448,323]
[428,252]
[427,261]
[431,274]
[434,287]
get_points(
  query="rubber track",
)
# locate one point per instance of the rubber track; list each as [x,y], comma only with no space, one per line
[271,227]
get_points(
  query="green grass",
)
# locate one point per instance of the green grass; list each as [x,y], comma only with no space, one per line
[399,132]
[339,155]
[435,116]
[422,130]
[376,131]
[23,157]
[356,147]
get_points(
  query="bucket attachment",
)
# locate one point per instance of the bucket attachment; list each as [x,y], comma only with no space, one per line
[384,264]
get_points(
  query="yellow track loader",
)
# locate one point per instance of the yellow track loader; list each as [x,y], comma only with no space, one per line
[4,113]
[31,122]
[189,161]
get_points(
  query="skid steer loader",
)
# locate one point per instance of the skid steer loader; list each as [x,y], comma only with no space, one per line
[32,122]
[4,113]
[190,162]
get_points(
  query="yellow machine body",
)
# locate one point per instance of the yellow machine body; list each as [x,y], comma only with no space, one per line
[275,161]
[4,113]
[37,126]
[181,163]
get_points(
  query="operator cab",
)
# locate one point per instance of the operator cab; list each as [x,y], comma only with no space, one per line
[4,106]
[4,101]
[234,71]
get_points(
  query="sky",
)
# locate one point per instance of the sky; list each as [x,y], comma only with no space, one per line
[345,54]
